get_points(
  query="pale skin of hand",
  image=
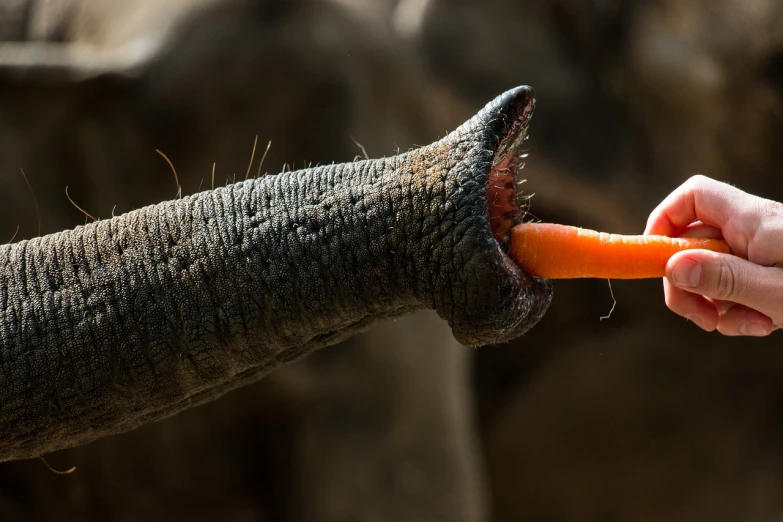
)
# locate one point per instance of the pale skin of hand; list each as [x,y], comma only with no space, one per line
[739,293]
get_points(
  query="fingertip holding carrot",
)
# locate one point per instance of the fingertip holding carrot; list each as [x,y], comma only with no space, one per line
[556,251]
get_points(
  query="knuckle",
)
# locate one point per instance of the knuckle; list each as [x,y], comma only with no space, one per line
[697,180]
[775,209]
[726,282]
[764,230]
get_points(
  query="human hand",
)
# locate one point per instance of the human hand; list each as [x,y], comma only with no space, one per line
[739,294]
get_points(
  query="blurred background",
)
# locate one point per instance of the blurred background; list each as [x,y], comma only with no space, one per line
[639,417]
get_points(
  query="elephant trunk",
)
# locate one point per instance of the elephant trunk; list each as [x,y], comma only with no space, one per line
[129,320]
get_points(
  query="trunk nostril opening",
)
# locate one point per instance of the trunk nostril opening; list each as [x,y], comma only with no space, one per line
[503,201]
[501,197]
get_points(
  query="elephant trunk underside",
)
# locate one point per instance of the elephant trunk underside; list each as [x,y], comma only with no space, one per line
[129,320]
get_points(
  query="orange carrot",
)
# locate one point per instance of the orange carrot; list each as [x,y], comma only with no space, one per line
[565,252]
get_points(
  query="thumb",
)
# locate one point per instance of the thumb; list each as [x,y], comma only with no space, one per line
[728,278]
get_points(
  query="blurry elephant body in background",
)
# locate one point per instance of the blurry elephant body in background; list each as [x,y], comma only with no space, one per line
[633,97]
[390,424]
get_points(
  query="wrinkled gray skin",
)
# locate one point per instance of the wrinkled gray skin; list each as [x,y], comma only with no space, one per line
[378,427]
[129,320]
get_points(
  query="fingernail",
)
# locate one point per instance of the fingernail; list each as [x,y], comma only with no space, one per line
[686,273]
[698,321]
[754,329]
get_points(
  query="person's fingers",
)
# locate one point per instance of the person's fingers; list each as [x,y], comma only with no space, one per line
[736,213]
[699,229]
[697,309]
[711,314]
[741,320]
[728,278]
[740,294]
[699,198]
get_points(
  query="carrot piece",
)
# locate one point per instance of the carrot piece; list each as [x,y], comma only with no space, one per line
[565,252]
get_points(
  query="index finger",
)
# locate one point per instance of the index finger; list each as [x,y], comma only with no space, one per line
[712,202]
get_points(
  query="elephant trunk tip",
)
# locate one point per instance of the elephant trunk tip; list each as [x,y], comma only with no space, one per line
[505,202]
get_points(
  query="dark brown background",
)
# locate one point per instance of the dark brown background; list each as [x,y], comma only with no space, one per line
[638,417]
